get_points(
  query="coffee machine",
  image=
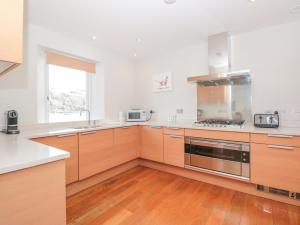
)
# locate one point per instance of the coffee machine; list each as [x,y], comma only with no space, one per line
[11,122]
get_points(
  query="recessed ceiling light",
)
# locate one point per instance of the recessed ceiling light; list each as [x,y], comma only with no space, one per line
[94,37]
[251,1]
[170,1]
[134,54]
[295,9]
[139,40]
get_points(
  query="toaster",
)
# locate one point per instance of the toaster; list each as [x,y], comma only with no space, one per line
[266,120]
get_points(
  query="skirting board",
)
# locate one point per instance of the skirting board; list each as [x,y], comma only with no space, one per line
[98,178]
[237,185]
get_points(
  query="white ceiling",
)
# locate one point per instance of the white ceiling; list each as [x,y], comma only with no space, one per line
[117,23]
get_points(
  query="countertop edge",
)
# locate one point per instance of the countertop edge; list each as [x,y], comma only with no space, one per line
[28,165]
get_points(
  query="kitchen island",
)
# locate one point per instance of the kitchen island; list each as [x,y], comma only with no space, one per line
[32,182]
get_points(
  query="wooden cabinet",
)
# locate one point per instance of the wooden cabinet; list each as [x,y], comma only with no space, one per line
[174,150]
[276,166]
[11,35]
[222,135]
[96,152]
[68,142]
[34,196]
[174,131]
[152,143]
[126,144]
[276,139]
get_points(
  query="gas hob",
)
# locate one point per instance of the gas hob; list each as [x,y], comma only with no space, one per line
[220,123]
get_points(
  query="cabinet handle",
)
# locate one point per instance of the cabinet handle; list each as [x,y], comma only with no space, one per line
[174,136]
[280,147]
[156,127]
[66,135]
[125,127]
[173,128]
[86,133]
[280,136]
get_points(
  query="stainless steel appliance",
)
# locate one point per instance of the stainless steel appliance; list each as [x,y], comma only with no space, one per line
[11,122]
[136,115]
[223,93]
[228,158]
[266,120]
[220,123]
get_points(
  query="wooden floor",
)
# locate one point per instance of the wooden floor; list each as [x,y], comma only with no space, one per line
[146,196]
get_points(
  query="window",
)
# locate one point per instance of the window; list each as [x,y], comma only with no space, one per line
[68,94]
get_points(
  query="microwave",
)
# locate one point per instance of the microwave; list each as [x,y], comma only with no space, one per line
[136,116]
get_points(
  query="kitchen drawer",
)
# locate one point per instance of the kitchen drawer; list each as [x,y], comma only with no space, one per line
[275,166]
[222,135]
[174,131]
[276,139]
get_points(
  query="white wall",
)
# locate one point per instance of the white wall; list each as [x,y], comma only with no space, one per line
[184,62]
[19,89]
[271,54]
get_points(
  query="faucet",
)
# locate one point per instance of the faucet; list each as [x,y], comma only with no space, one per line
[89,115]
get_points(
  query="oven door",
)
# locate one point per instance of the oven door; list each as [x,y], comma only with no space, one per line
[221,156]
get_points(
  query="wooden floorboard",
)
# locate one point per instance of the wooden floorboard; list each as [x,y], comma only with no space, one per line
[145,196]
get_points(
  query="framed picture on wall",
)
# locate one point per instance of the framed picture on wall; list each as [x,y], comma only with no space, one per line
[162,82]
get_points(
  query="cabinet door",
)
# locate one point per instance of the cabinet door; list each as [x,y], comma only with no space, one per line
[275,166]
[96,153]
[11,35]
[152,143]
[68,142]
[174,150]
[126,144]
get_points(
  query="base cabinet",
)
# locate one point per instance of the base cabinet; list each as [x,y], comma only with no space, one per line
[34,196]
[67,142]
[276,166]
[126,144]
[96,152]
[174,150]
[152,143]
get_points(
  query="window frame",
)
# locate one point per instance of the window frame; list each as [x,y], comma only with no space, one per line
[88,94]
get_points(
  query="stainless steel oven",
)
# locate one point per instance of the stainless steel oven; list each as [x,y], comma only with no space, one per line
[226,157]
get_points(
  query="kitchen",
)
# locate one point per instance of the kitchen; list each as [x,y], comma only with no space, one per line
[236,78]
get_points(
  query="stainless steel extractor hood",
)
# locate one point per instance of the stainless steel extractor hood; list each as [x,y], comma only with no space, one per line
[219,60]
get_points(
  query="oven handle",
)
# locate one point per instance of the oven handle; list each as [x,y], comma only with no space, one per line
[216,144]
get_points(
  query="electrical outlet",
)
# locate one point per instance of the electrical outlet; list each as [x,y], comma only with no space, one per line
[179,111]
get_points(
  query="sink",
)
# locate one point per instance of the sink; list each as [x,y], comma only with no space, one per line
[87,127]
[81,128]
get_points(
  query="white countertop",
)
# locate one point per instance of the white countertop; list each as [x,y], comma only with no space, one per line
[19,152]
[247,128]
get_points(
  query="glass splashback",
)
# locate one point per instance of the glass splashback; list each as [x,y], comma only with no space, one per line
[224,99]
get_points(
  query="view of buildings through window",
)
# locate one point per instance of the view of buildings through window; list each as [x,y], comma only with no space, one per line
[68,94]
